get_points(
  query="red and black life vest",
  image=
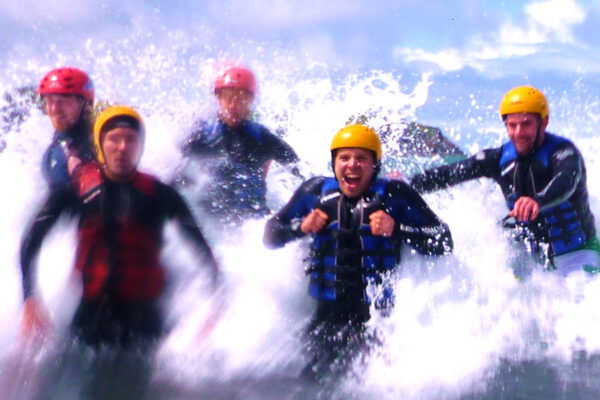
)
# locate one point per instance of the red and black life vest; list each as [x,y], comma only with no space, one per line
[120,259]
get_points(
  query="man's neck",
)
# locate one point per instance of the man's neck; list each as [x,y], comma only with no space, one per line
[119,178]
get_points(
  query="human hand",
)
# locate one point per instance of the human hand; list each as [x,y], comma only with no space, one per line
[314,221]
[72,163]
[382,224]
[525,209]
[36,321]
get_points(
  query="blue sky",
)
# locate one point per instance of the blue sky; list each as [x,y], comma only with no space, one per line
[499,37]
[474,50]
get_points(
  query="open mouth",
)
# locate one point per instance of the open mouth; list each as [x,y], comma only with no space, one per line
[352,179]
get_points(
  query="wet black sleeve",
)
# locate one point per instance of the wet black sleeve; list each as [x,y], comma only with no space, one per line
[567,170]
[415,223]
[178,210]
[85,148]
[202,141]
[485,163]
[279,150]
[284,226]
[60,200]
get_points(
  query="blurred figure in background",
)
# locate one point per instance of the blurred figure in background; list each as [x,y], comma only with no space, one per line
[235,151]
[122,214]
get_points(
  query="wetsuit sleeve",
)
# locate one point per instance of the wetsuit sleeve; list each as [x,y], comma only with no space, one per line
[567,170]
[279,150]
[178,210]
[86,151]
[284,226]
[415,223]
[60,200]
[82,145]
[203,141]
[485,163]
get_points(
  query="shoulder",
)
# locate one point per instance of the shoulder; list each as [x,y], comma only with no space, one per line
[556,143]
[204,129]
[258,132]
[317,184]
[398,192]
[556,148]
[204,125]
[147,183]
[392,187]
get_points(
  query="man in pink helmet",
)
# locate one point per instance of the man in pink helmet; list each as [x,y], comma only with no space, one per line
[68,95]
[240,150]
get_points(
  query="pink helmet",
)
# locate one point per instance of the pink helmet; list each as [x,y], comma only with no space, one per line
[67,80]
[236,77]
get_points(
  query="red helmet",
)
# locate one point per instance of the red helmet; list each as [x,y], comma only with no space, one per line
[236,77]
[67,80]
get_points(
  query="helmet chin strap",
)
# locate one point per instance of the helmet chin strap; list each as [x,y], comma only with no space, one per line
[538,133]
[535,145]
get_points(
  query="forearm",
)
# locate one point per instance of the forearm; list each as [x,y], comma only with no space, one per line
[449,175]
[278,232]
[427,240]
[30,247]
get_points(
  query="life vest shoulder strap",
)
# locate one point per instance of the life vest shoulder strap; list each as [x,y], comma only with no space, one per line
[88,178]
[146,183]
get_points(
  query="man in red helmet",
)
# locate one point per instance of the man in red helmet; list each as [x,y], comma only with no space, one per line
[68,95]
[240,150]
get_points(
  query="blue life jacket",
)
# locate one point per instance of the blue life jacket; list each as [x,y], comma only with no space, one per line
[563,227]
[54,164]
[249,191]
[329,278]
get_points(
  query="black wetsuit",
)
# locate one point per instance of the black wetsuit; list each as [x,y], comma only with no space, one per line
[238,161]
[75,141]
[346,258]
[118,254]
[553,175]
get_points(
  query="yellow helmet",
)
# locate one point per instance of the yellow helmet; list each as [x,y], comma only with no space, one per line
[108,114]
[357,135]
[524,99]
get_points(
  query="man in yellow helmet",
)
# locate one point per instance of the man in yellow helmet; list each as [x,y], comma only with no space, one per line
[358,224]
[122,213]
[543,180]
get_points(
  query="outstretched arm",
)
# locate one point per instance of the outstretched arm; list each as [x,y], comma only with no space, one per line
[280,151]
[36,318]
[179,211]
[59,201]
[484,163]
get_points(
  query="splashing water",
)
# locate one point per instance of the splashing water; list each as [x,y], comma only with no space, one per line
[462,324]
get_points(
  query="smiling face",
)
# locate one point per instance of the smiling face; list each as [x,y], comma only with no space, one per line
[354,169]
[122,148]
[234,105]
[63,110]
[523,130]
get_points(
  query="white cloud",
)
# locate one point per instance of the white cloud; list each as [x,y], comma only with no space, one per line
[550,21]
[555,18]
